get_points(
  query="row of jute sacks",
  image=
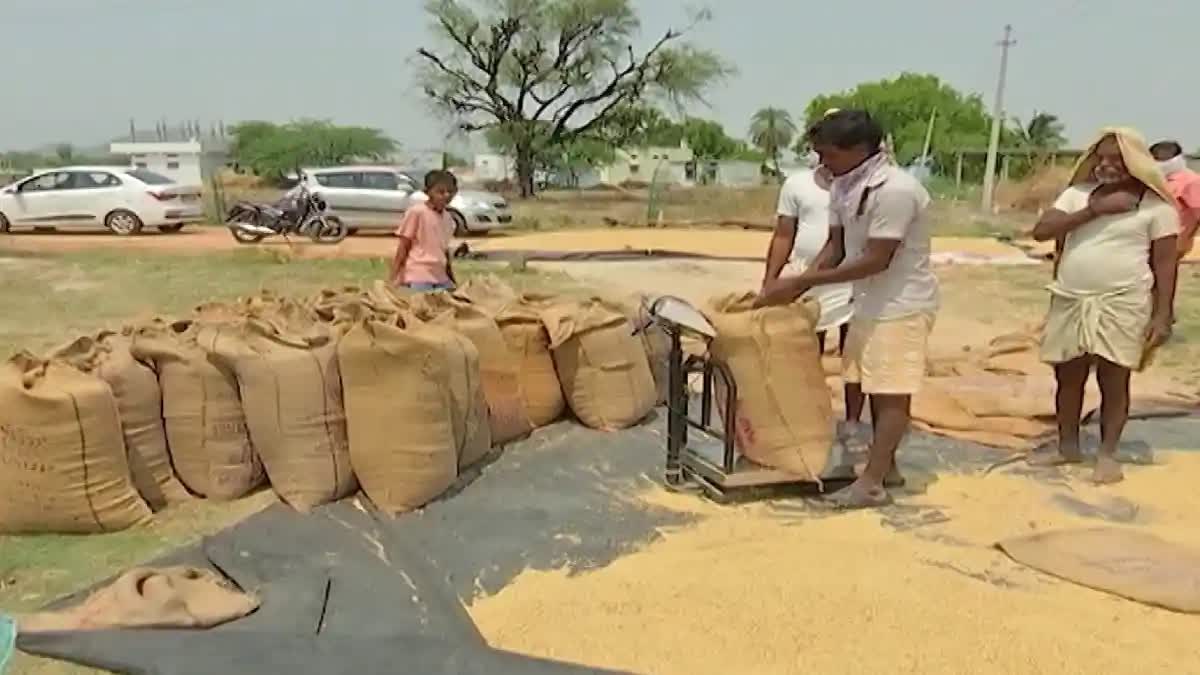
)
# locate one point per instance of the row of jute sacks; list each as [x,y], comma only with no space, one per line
[392,393]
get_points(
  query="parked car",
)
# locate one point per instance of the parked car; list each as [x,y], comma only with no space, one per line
[376,197]
[123,199]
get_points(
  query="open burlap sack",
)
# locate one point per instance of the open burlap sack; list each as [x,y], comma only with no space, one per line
[488,291]
[499,363]
[942,408]
[174,597]
[655,341]
[291,391]
[139,401]
[521,325]
[63,464]
[412,412]
[206,428]
[601,364]
[784,411]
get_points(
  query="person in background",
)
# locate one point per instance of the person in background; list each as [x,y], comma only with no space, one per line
[1115,229]
[879,239]
[1184,185]
[801,230]
[422,260]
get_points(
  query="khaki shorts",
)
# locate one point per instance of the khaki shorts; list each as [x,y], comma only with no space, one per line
[887,356]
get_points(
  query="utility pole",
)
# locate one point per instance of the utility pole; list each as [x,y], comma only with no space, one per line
[989,174]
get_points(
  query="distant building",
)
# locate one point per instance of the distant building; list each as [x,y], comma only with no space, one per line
[494,168]
[664,165]
[186,162]
[736,173]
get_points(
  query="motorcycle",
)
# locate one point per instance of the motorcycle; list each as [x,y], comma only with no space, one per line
[302,214]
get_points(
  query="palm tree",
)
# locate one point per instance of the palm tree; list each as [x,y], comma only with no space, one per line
[1043,132]
[772,130]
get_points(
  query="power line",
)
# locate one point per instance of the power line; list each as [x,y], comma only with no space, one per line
[989,175]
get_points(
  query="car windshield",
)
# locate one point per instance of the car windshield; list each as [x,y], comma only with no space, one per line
[149,177]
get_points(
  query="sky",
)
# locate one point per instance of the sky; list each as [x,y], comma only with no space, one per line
[78,70]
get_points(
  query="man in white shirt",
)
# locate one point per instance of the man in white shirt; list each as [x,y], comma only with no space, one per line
[877,226]
[801,231]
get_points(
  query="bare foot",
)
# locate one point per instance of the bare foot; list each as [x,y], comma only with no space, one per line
[1108,471]
[1054,457]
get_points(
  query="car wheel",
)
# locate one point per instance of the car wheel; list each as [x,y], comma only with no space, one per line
[123,223]
[170,229]
[460,224]
[5,226]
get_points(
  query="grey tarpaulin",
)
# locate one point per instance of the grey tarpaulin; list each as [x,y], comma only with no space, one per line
[340,594]
[348,581]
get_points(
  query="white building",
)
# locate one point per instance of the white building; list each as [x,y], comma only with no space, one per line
[185,162]
[494,168]
[669,166]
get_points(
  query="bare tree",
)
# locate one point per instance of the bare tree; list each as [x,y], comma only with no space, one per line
[548,72]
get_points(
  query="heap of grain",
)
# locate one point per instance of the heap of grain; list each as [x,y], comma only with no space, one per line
[784,412]
[63,464]
[139,402]
[601,364]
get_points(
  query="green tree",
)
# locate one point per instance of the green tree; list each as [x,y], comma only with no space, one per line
[1043,132]
[708,139]
[272,151]
[903,106]
[772,131]
[552,71]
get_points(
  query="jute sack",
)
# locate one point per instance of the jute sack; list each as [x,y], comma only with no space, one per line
[521,325]
[784,411]
[291,391]
[173,597]
[139,401]
[488,291]
[499,364]
[601,364]
[406,425]
[63,466]
[655,341]
[206,428]
[471,426]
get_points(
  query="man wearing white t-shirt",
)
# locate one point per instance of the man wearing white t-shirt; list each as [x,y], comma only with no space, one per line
[801,231]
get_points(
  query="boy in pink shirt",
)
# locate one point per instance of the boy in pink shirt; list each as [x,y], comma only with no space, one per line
[422,260]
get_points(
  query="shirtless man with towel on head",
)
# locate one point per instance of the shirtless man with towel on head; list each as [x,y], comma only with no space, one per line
[1111,305]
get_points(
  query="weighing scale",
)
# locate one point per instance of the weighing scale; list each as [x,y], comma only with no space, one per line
[710,460]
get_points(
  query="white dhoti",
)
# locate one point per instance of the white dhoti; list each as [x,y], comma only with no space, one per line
[1112,325]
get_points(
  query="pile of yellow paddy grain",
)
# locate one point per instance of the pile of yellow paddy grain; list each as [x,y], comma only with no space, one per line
[756,589]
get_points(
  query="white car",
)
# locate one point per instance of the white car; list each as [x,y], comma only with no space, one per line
[122,199]
[375,198]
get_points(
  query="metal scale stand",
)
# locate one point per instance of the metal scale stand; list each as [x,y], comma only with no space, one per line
[709,460]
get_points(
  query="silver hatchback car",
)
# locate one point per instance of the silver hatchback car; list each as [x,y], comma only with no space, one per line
[373,198]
